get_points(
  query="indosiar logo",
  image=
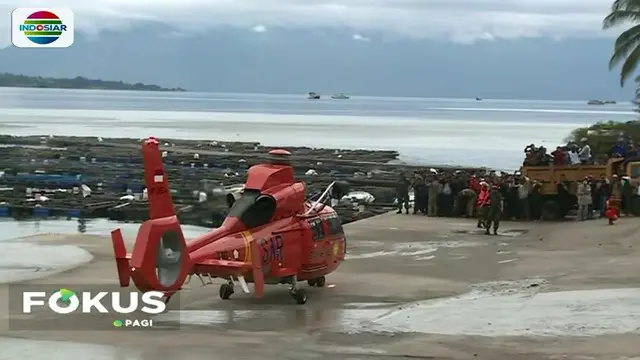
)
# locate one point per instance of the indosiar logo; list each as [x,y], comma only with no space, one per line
[33,28]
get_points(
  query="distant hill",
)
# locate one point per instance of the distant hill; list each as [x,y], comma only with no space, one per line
[79,82]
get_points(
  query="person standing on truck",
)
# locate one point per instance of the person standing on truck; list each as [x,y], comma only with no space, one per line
[618,150]
[559,157]
[574,159]
[584,199]
[494,210]
[585,152]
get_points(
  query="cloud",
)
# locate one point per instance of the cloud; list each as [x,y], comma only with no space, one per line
[457,20]
[259,28]
[358,37]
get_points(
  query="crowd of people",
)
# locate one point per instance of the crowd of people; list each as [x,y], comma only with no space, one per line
[576,153]
[492,196]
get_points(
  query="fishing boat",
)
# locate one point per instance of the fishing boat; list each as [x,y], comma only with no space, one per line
[478,99]
[340,96]
[595,102]
[313,96]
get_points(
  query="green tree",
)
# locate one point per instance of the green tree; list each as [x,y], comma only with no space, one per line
[603,135]
[627,45]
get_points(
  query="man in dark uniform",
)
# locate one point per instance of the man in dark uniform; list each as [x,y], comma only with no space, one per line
[494,211]
[402,189]
[419,189]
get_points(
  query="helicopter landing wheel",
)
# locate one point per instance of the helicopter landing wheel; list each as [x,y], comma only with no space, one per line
[321,281]
[226,291]
[311,282]
[300,296]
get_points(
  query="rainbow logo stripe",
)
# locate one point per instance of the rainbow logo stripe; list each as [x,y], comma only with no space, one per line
[43,27]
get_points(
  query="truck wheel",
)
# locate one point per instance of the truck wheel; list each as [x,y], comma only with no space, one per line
[550,210]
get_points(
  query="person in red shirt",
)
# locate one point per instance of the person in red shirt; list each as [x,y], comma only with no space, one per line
[482,203]
[559,156]
[611,213]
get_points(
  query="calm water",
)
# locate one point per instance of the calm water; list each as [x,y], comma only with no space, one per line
[426,131]
[459,131]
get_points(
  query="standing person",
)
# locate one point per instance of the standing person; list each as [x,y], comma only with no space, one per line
[611,213]
[513,204]
[446,194]
[402,189]
[574,159]
[559,157]
[524,188]
[468,199]
[584,199]
[482,204]
[627,195]
[603,192]
[595,204]
[474,184]
[434,191]
[418,193]
[615,199]
[535,200]
[585,152]
[494,211]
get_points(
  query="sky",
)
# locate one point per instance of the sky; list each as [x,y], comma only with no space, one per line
[456,20]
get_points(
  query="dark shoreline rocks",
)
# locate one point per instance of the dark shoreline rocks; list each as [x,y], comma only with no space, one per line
[112,168]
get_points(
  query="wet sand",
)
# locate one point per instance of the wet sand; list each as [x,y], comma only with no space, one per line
[412,287]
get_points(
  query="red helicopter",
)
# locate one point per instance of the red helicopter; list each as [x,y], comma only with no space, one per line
[271,235]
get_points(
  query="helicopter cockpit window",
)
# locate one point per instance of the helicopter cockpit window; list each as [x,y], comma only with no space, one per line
[317,231]
[335,226]
[634,170]
[253,209]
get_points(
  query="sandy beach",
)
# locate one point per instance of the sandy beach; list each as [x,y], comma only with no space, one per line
[412,287]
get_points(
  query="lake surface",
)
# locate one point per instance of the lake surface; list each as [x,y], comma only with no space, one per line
[425,131]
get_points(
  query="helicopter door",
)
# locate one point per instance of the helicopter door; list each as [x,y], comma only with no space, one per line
[318,245]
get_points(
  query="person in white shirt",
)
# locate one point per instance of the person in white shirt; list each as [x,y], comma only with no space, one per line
[584,200]
[573,157]
[585,152]
[524,188]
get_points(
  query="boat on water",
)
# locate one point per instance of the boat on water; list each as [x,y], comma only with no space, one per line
[600,102]
[478,99]
[340,96]
[313,96]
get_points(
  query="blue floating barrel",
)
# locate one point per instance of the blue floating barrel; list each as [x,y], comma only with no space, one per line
[73,213]
[5,211]
[41,212]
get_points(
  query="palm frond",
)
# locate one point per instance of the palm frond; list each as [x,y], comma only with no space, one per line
[630,64]
[619,17]
[625,5]
[625,44]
